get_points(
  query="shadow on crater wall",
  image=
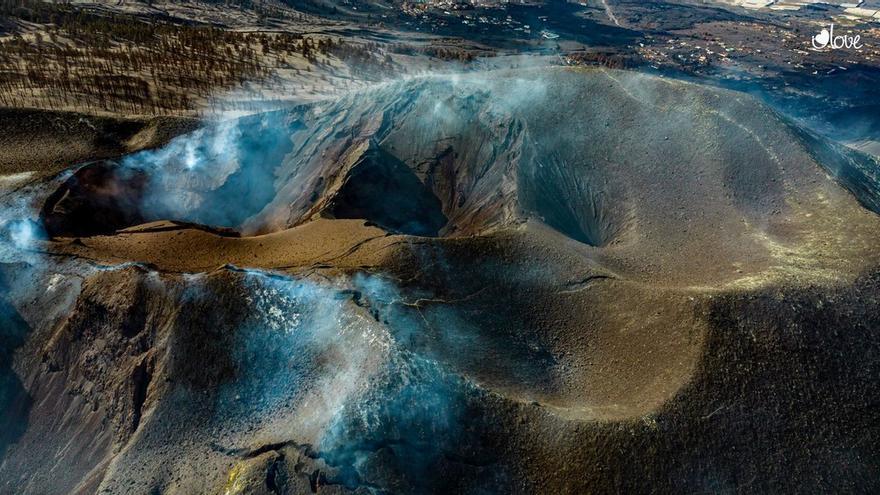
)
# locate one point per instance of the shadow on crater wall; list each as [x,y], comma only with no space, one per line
[15,403]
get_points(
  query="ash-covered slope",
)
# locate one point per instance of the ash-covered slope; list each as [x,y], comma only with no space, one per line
[553,281]
[645,167]
[651,170]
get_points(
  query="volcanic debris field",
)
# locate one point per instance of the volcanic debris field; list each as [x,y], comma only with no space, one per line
[546,280]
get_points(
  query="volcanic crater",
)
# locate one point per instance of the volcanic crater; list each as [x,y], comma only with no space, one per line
[556,280]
